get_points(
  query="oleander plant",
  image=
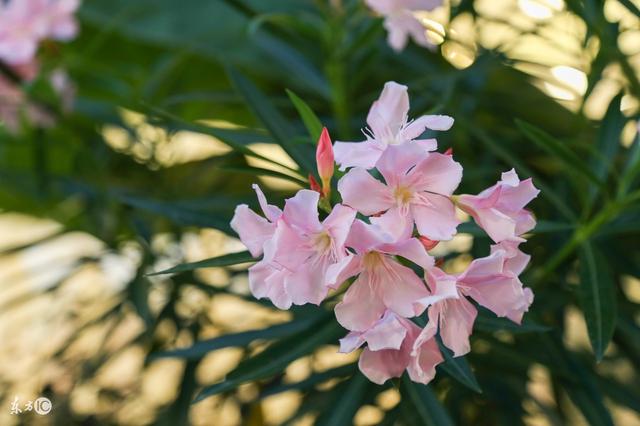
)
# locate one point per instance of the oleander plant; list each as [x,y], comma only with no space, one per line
[333,212]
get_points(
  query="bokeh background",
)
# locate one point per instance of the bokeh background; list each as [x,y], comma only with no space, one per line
[174,99]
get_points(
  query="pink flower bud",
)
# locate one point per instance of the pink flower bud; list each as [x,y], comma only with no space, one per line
[324,160]
[427,243]
[314,185]
[449,152]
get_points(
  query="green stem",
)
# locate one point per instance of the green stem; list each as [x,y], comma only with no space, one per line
[583,233]
[337,77]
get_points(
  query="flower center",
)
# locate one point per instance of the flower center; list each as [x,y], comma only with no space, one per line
[371,260]
[403,195]
[323,242]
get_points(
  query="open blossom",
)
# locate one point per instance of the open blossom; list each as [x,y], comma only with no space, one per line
[382,282]
[298,248]
[490,281]
[400,22]
[499,210]
[391,350]
[25,23]
[389,125]
[417,190]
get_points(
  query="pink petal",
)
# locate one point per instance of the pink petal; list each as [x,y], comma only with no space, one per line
[426,144]
[388,333]
[500,294]
[396,161]
[395,223]
[525,222]
[389,113]
[252,229]
[484,267]
[301,211]
[400,288]
[456,324]
[435,216]
[517,312]
[265,281]
[364,237]
[422,368]
[361,306]
[287,248]
[338,223]
[342,270]
[420,124]
[380,366]
[437,173]
[443,286]
[271,212]
[515,260]
[351,342]
[411,249]
[514,198]
[364,193]
[307,284]
[357,154]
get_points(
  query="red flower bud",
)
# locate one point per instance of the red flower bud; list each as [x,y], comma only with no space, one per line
[325,160]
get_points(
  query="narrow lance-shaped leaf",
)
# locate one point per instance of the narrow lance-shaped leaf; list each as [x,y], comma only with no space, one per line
[275,358]
[426,406]
[607,143]
[597,297]
[459,369]
[272,120]
[201,348]
[346,403]
[214,262]
[558,150]
[309,118]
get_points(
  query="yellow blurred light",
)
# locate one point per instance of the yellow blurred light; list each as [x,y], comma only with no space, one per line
[540,9]
[558,92]
[574,78]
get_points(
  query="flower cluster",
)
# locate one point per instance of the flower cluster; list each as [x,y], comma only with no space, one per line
[23,25]
[375,260]
[401,22]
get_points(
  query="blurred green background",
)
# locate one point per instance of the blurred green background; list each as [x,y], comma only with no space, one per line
[181,105]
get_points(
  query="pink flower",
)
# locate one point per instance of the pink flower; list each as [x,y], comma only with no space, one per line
[391,349]
[499,210]
[382,283]
[21,28]
[60,19]
[389,125]
[417,190]
[24,23]
[255,230]
[325,161]
[491,281]
[300,252]
[400,22]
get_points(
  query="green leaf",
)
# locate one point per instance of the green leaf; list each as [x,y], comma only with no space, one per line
[177,214]
[275,358]
[459,369]
[272,120]
[488,322]
[607,144]
[259,171]
[597,297]
[203,347]
[558,150]
[213,262]
[346,403]
[426,406]
[309,118]
[631,168]
[311,381]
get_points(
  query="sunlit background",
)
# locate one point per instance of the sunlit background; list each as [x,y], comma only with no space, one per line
[67,334]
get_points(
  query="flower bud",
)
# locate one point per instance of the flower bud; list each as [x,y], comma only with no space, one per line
[314,185]
[325,161]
